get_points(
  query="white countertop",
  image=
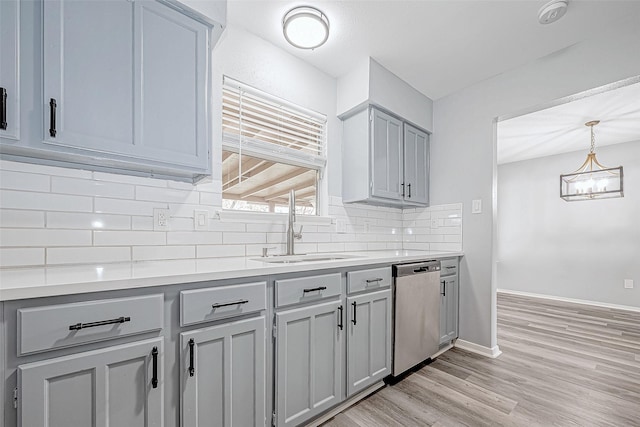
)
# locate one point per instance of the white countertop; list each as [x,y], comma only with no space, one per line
[22,283]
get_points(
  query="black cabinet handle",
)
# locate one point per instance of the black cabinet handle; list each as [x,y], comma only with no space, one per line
[340,319]
[354,312]
[79,326]
[3,108]
[444,289]
[154,379]
[402,189]
[224,304]
[409,186]
[192,370]
[52,117]
[319,288]
[376,280]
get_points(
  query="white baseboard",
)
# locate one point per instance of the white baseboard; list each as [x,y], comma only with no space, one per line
[491,352]
[572,300]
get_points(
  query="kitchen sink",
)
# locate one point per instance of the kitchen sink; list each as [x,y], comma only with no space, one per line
[291,259]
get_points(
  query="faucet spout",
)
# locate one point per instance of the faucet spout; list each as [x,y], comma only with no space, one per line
[291,234]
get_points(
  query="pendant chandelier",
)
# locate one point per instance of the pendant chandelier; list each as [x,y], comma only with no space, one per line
[592,180]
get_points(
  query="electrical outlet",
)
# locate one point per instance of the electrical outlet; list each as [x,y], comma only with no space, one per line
[201,219]
[476,206]
[434,223]
[628,283]
[341,226]
[161,219]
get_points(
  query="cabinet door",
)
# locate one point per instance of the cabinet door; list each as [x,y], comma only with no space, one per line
[9,69]
[416,165]
[108,387]
[448,309]
[226,386]
[386,156]
[308,362]
[368,340]
[174,61]
[89,71]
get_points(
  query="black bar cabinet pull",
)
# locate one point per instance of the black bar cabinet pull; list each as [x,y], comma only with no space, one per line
[444,289]
[377,279]
[154,379]
[354,312]
[79,326]
[340,321]
[402,189]
[409,186]
[224,304]
[3,107]
[52,117]
[192,370]
[319,288]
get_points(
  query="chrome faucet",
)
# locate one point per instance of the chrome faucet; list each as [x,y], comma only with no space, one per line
[291,234]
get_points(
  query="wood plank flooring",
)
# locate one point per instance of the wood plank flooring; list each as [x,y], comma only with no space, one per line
[562,364]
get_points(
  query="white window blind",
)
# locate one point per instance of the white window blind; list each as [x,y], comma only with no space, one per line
[258,124]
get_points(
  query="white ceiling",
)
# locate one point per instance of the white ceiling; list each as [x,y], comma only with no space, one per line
[437,46]
[561,129]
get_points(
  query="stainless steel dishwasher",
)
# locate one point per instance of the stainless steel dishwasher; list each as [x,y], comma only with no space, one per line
[416,314]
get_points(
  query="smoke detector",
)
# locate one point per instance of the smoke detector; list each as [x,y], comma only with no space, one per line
[552,11]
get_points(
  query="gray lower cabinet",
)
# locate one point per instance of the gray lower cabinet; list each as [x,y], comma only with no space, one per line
[115,386]
[368,339]
[308,373]
[222,373]
[448,309]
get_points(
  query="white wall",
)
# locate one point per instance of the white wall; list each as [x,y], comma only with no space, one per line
[582,250]
[463,144]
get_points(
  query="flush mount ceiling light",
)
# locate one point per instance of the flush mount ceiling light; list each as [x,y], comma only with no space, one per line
[592,180]
[552,11]
[305,27]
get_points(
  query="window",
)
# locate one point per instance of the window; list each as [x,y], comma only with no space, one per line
[269,147]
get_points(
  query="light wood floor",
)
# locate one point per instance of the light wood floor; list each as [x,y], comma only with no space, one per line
[562,364]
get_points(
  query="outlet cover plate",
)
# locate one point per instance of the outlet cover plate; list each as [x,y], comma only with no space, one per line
[201,219]
[628,283]
[161,219]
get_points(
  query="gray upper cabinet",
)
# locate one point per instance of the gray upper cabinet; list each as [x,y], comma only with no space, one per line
[416,165]
[368,339]
[386,156]
[308,362]
[133,100]
[116,386]
[222,375]
[9,70]
[385,160]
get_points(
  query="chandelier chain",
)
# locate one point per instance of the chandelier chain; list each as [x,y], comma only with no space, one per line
[593,140]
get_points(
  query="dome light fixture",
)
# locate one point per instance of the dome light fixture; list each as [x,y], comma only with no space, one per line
[552,11]
[305,27]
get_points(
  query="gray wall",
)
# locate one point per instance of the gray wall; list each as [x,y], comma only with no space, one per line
[587,248]
[463,143]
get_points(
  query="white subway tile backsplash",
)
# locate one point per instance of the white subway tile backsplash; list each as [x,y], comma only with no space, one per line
[52,215]
[22,237]
[219,251]
[86,187]
[166,195]
[194,237]
[12,180]
[19,257]
[88,221]
[87,255]
[129,238]
[149,253]
[21,219]
[45,201]
[126,207]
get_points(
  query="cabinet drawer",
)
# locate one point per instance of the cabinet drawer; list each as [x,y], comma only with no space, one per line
[449,267]
[303,289]
[64,325]
[364,280]
[206,305]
